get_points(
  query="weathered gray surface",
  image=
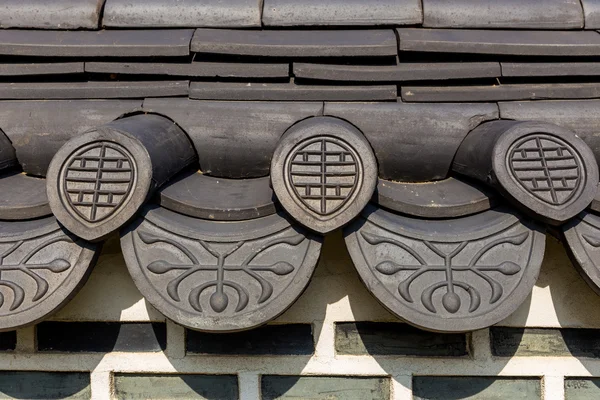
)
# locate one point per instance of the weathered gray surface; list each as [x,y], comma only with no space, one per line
[414,142]
[58,263]
[591,9]
[97,181]
[323,173]
[115,43]
[531,342]
[50,124]
[513,14]
[215,276]
[22,197]
[582,388]
[45,385]
[448,198]
[330,43]
[288,92]
[582,235]
[525,43]
[452,275]
[186,386]
[196,69]
[341,12]
[474,388]
[92,90]
[186,13]
[275,387]
[202,196]
[400,72]
[234,139]
[55,14]
[14,69]
[551,69]
[544,169]
[387,339]
[501,92]
[580,116]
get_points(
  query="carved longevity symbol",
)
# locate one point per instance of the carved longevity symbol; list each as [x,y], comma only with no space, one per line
[24,267]
[547,167]
[323,173]
[450,300]
[219,300]
[98,179]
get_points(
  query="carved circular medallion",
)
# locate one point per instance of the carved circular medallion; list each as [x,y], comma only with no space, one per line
[323,172]
[546,169]
[41,268]
[97,181]
[582,234]
[451,275]
[219,276]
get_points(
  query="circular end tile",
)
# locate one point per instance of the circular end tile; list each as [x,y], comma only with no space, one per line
[42,267]
[219,199]
[323,172]
[97,181]
[22,197]
[448,198]
[453,275]
[219,276]
[546,169]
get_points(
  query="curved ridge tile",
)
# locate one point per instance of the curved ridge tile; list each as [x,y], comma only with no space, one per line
[234,139]
[341,12]
[448,198]
[582,235]
[55,14]
[175,260]
[414,142]
[50,124]
[58,263]
[323,172]
[542,168]
[97,181]
[201,196]
[106,43]
[295,43]
[516,14]
[22,197]
[511,42]
[452,275]
[178,13]
[591,10]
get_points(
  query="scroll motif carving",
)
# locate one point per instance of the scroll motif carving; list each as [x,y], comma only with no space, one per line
[219,276]
[451,275]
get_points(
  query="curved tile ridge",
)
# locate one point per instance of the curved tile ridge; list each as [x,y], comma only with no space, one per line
[177,13]
[219,276]
[414,142]
[98,180]
[451,275]
[448,198]
[201,196]
[8,156]
[47,267]
[22,197]
[510,42]
[341,12]
[516,14]
[55,14]
[542,168]
[51,123]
